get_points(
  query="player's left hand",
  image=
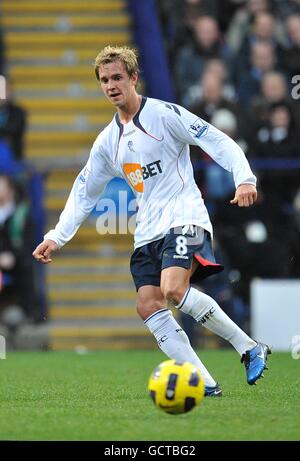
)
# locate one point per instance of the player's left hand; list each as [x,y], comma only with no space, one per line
[245,195]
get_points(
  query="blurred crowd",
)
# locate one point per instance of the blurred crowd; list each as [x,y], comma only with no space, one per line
[20,295]
[235,64]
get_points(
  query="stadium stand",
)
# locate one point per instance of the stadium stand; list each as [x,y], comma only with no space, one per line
[50,51]
[50,48]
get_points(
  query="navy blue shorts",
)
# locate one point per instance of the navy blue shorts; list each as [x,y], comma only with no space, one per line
[178,248]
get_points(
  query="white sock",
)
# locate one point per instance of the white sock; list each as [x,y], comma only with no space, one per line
[204,309]
[173,341]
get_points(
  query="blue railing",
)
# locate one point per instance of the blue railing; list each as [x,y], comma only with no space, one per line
[153,59]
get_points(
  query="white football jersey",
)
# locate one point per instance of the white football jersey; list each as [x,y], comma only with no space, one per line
[151,152]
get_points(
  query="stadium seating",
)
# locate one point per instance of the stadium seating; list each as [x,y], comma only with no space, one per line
[50,50]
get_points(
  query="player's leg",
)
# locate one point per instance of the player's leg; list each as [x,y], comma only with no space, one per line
[170,337]
[177,291]
[206,310]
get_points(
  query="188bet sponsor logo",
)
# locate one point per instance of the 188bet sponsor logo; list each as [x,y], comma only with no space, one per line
[137,174]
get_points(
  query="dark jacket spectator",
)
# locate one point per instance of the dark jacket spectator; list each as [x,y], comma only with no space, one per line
[290,55]
[191,59]
[241,23]
[263,59]
[273,90]
[260,241]
[16,244]
[12,124]
[177,19]
[278,140]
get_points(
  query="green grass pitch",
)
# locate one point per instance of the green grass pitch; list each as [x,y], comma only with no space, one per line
[103,396]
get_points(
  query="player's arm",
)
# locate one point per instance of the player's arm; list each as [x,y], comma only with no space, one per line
[190,129]
[83,197]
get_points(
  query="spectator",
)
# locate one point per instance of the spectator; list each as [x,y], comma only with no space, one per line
[177,19]
[240,24]
[278,139]
[263,60]
[193,9]
[259,241]
[290,55]
[216,69]
[263,28]
[12,124]
[191,60]
[273,87]
[274,90]
[262,31]
[16,243]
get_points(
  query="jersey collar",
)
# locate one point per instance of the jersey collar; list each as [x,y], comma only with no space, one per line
[135,118]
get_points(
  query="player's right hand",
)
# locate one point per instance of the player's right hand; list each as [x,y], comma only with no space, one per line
[43,251]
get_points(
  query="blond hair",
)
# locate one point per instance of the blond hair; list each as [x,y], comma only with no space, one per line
[128,56]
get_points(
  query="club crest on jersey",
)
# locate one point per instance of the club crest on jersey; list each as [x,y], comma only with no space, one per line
[130,146]
[198,129]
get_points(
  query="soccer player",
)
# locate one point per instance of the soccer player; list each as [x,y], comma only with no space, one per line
[147,144]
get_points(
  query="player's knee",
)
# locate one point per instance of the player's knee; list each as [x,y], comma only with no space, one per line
[173,294]
[147,308]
